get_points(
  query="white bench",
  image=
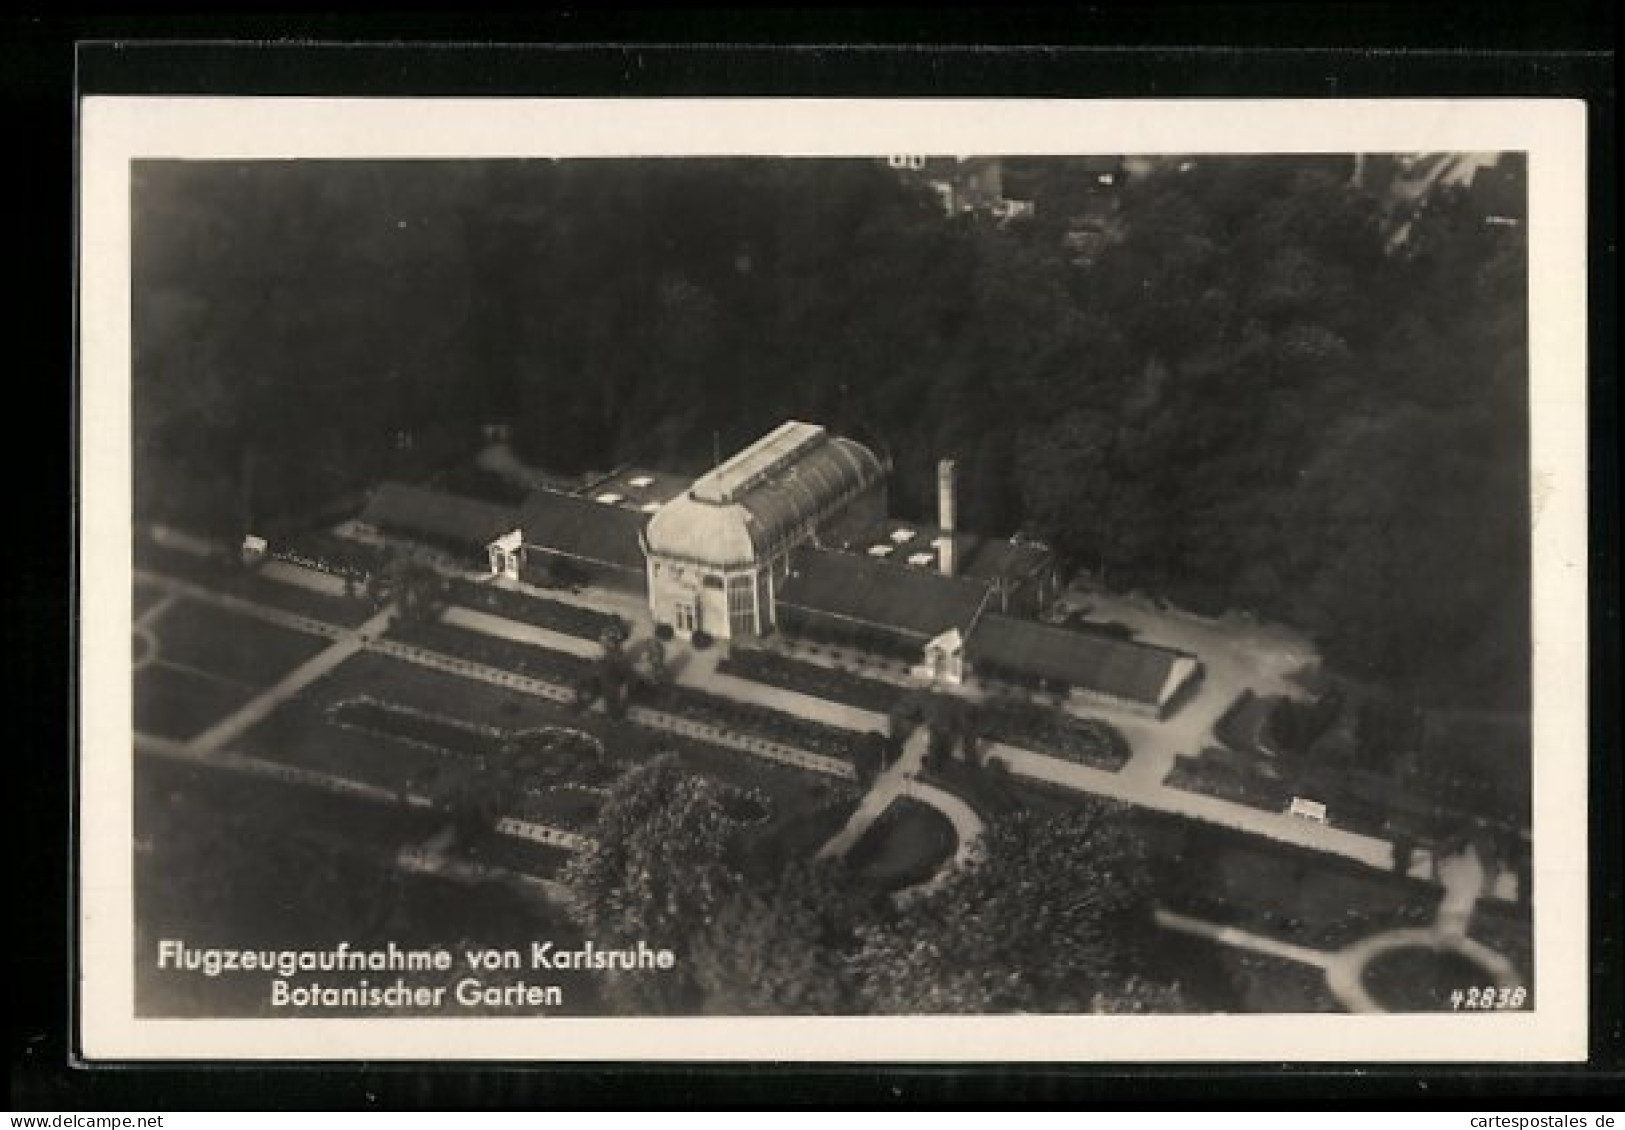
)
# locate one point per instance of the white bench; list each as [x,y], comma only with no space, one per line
[1307,809]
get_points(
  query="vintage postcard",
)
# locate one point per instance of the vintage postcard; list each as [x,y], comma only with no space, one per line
[797,580]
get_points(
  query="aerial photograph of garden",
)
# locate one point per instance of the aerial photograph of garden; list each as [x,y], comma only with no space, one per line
[893,585]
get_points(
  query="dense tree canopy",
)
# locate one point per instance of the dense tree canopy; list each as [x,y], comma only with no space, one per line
[1253,393]
[1046,920]
[658,872]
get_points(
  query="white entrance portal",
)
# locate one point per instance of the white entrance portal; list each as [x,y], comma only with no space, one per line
[944,659]
[504,555]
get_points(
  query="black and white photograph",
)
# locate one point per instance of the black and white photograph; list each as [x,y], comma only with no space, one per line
[890,580]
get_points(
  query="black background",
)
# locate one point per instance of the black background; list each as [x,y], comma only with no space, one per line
[1118,49]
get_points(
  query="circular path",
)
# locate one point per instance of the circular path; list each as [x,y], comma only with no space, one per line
[1345,969]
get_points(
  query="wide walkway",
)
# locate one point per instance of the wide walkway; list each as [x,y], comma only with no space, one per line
[1369,850]
[968,832]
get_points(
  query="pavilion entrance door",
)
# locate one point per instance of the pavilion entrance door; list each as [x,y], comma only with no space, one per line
[687,620]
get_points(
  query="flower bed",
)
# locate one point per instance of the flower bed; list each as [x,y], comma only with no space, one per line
[761,721]
[1213,778]
[521,658]
[812,679]
[1087,741]
[554,615]
[415,727]
[329,553]
[1238,727]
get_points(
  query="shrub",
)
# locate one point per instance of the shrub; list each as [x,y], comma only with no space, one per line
[664,633]
[702,639]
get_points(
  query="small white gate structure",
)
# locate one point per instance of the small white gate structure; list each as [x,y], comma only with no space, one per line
[504,554]
[1307,809]
[944,659]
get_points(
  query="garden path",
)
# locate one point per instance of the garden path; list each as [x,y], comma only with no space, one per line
[1279,826]
[968,829]
[258,708]
[898,780]
[159,607]
[888,786]
[1464,879]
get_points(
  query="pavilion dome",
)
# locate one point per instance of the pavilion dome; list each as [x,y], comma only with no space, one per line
[703,532]
[764,499]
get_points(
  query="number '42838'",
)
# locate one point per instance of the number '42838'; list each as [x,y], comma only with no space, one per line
[1488,997]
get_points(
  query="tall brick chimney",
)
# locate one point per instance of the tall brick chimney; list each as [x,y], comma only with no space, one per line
[947,516]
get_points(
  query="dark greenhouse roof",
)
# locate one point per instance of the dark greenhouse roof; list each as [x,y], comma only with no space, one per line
[1135,672]
[418,511]
[596,532]
[917,602]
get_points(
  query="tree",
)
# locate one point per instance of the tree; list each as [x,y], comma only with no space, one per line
[658,871]
[1044,921]
[1266,389]
[1139,996]
[614,671]
[648,665]
[417,588]
[779,950]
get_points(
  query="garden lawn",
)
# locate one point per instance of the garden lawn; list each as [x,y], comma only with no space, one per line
[555,615]
[297,734]
[1419,979]
[511,853]
[357,896]
[233,646]
[250,585]
[1507,929]
[812,679]
[143,597]
[1275,889]
[750,719]
[905,846]
[176,704]
[529,660]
